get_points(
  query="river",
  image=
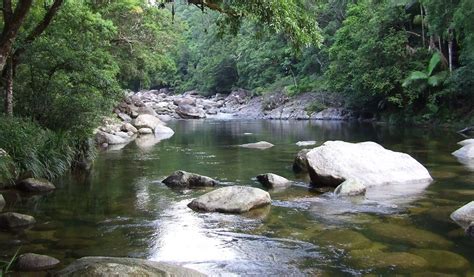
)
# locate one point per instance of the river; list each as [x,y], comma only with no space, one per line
[122,209]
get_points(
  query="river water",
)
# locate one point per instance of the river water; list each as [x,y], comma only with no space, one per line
[122,209]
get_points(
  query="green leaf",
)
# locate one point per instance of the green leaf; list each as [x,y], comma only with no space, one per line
[414,76]
[435,60]
[437,79]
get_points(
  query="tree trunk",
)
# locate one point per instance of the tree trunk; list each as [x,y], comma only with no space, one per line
[12,23]
[9,88]
[450,49]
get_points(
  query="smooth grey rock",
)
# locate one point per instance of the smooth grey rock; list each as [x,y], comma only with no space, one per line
[270,181]
[35,262]
[12,220]
[127,127]
[233,199]
[111,266]
[190,112]
[146,110]
[147,121]
[262,145]
[35,185]
[162,129]
[466,152]
[350,188]
[466,142]
[300,163]
[145,131]
[367,162]
[184,101]
[103,137]
[306,143]
[183,180]
[124,117]
[464,215]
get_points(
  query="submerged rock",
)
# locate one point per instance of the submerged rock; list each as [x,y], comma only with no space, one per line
[350,188]
[234,199]
[301,161]
[270,181]
[183,180]
[376,258]
[343,239]
[443,260]
[111,266]
[35,262]
[466,152]
[409,235]
[12,220]
[464,215]
[35,185]
[368,162]
[262,145]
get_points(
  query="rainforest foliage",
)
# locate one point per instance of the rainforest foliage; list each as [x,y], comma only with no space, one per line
[65,63]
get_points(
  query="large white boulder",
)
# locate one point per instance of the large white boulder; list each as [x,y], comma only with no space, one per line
[367,162]
[233,199]
[147,121]
[466,142]
[466,152]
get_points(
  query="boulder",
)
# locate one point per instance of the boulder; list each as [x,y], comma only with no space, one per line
[35,185]
[162,129]
[466,152]
[103,137]
[127,127]
[367,162]
[306,143]
[111,266]
[184,101]
[350,188]
[464,215]
[443,260]
[301,161]
[145,131]
[271,181]
[262,145]
[466,142]
[184,180]
[146,110]
[124,117]
[190,112]
[233,199]
[15,220]
[35,262]
[147,121]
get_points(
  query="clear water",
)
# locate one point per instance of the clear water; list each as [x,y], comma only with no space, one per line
[122,209]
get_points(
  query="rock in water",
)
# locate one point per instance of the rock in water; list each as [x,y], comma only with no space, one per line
[258,145]
[464,215]
[466,142]
[367,162]
[35,185]
[470,230]
[103,137]
[350,188]
[306,143]
[147,121]
[301,161]
[270,180]
[127,127]
[466,152]
[145,131]
[183,180]
[234,199]
[15,220]
[111,266]
[190,112]
[162,129]
[35,262]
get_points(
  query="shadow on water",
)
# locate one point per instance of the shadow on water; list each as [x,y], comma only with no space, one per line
[121,208]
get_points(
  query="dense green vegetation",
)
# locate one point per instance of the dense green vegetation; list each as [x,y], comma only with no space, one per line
[65,63]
